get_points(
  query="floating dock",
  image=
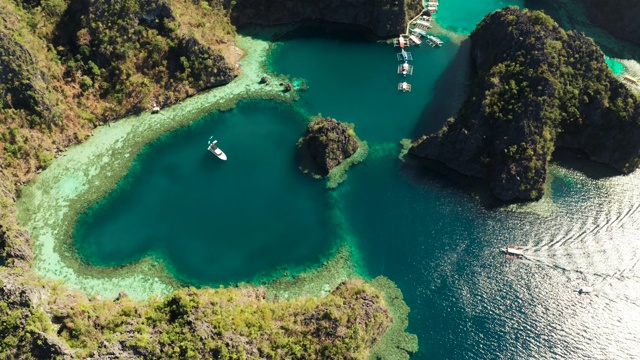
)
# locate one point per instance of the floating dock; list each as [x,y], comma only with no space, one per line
[405,69]
[404,56]
[404,87]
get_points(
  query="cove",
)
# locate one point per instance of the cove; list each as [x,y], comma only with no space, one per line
[211,221]
[428,234]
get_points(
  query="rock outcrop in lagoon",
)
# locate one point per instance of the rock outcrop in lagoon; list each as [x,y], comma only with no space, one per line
[325,145]
[536,87]
[382,17]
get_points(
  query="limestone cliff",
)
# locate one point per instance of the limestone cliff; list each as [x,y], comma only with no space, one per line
[382,17]
[536,87]
[619,17]
[325,144]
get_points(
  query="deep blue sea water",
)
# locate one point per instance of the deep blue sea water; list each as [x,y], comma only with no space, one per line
[218,223]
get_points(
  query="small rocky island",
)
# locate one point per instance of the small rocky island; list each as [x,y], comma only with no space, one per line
[326,144]
[536,88]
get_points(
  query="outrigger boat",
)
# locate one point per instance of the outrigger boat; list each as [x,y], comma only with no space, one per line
[434,41]
[216,150]
[404,87]
[405,69]
[513,250]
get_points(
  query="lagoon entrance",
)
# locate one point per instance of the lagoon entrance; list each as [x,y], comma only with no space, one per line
[256,216]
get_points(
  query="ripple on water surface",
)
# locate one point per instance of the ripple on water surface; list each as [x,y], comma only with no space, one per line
[213,221]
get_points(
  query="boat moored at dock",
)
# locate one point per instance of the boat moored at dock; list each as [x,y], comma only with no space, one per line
[434,41]
[404,87]
[405,69]
[404,56]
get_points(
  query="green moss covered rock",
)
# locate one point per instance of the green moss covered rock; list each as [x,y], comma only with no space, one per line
[326,144]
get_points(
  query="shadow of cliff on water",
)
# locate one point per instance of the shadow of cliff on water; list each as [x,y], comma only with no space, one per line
[579,161]
[309,29]
[449,92]
[572,15]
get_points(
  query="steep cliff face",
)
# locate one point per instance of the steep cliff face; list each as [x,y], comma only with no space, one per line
[536,87]
[383,17]
[23,84]
[137,53]
[619,17]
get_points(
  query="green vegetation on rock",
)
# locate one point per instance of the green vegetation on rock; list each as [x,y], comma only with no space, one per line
[221,323]
[326,144]
[537,87]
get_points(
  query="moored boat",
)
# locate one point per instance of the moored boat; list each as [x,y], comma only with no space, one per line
[404,86]
[216,150]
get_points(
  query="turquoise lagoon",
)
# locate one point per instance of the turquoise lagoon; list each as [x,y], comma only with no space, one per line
[256,215]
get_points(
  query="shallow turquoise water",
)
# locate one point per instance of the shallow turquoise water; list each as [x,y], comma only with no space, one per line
[430,235]
[615,65]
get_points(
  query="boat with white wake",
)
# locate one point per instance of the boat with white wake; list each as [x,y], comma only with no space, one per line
[513,250]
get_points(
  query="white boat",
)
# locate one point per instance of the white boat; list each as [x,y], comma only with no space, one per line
[513,250]
[401,42]
[216,151]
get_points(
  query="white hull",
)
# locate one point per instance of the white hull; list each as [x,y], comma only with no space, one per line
[216,151]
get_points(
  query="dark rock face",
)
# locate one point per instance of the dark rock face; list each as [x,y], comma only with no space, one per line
[23,85]
[536,87]
[382,17]
[619,17]
[327,143]
[45,346]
